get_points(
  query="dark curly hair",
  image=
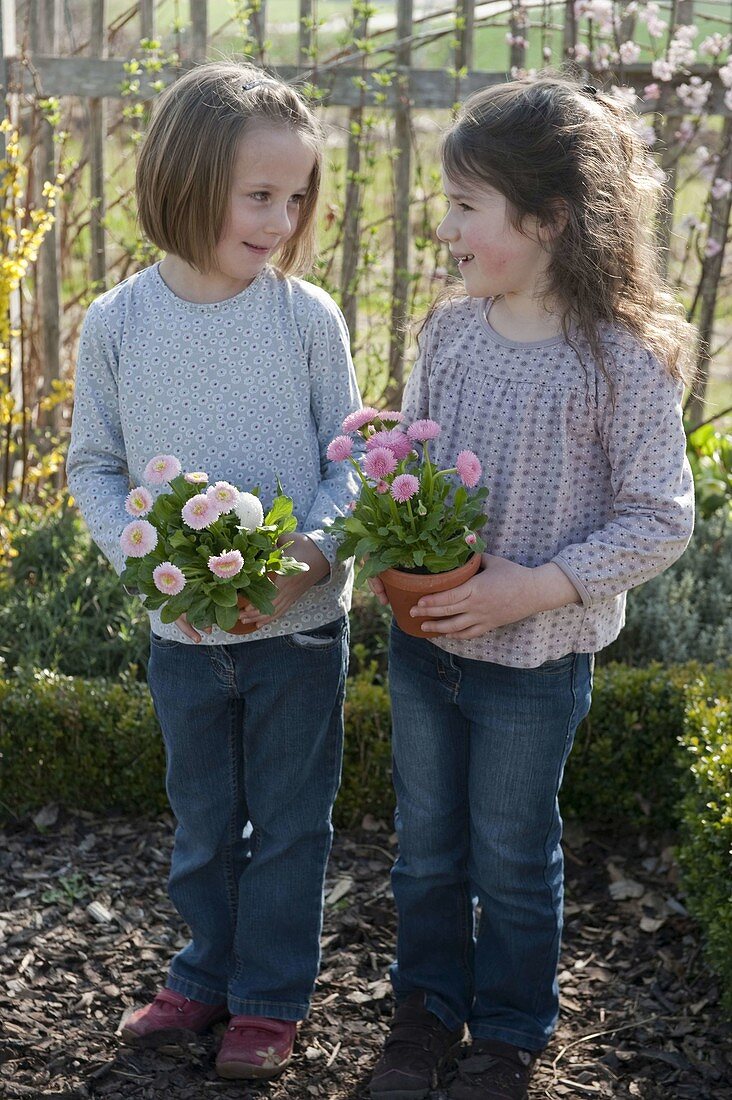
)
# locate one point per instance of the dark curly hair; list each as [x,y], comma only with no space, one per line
[559,150]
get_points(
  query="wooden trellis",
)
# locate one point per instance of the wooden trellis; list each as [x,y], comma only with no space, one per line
[33,68]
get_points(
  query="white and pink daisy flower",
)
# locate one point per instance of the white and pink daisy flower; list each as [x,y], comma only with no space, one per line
[404,487]
[138,539]
[359,419]
[162,468]
[340,448]
[249,510]
[199,512]
[423,430]
[471,538]
[389,416]
[379,463]
[226,565]
[168,578]
[469,469]
[223,495]
[138,502]
[197,477]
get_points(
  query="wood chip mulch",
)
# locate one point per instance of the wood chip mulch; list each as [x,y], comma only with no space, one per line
[86,930]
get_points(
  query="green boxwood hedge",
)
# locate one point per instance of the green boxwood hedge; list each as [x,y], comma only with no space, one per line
[706,851]
[656,751]
[96,745]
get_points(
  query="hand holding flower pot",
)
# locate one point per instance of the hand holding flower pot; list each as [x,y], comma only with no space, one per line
[204,552]
[410,525]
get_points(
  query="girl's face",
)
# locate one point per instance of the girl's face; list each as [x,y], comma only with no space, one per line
[269,180]
[494,257]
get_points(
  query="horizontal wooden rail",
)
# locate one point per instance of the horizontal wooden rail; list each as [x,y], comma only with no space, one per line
[339,85]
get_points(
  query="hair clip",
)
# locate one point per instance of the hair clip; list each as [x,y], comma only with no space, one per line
[590,89]
[255,83]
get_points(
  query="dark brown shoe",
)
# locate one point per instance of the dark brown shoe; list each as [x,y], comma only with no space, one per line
[419,1048]
[493,1071]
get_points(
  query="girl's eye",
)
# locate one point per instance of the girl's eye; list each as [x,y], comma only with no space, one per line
[260,196]
[464,206]
[297,199]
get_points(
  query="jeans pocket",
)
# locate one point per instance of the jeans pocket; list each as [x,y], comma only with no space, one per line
[558,667]
[323,637]
[163,643]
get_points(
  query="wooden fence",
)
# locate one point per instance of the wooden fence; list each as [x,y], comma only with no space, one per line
[352,78]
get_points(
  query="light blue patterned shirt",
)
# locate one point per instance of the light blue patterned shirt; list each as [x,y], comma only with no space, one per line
[247,390]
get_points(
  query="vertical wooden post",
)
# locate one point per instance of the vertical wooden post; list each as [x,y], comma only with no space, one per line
[147,18]
[519,32]
[199,29]
[351,249]
[711,275]
[258,27]
[97,132]
[682,14]
[402,198]
[570,29]
[44,40]
[305,35]
[8,48]
[11,380]
[465,12]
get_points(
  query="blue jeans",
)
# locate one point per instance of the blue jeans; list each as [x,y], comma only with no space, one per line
[253,737]
[479,751]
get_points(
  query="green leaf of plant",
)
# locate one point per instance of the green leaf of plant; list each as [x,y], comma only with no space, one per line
[226,616]
[223,595]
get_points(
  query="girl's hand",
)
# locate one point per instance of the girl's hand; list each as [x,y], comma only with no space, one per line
[502,593]
[377,588]
[182,623]
[292,587]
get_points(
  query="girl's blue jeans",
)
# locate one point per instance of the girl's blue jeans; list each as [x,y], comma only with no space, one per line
[479,751]
[253,736]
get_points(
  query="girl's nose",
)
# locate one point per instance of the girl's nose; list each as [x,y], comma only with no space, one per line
[279,221]
[444,230]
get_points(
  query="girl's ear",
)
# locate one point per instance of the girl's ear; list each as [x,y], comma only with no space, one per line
[553,221]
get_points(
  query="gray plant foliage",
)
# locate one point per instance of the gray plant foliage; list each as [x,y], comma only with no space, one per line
[685,613]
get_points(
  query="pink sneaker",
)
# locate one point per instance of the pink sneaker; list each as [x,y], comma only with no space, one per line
[255,1046]
[171,1017]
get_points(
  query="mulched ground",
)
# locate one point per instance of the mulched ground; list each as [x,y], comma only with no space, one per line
[86,930]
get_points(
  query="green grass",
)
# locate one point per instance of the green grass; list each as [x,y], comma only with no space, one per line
[490,48]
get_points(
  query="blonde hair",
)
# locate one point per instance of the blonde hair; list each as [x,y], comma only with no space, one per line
[568,155]
[184,172]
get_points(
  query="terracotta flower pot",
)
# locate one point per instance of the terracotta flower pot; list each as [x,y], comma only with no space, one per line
[403,590]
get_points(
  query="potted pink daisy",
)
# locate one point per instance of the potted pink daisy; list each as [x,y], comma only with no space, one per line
[413,525]
[204,550]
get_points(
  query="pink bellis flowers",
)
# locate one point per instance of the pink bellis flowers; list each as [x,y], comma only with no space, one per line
[339,448]
[404,487]
[468,468]
[138,539]
[409,513]
[200,511]
[223,495]
[393,439]
[161,469]
[200,550]
[226,565]
[168,578]
[138,502]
